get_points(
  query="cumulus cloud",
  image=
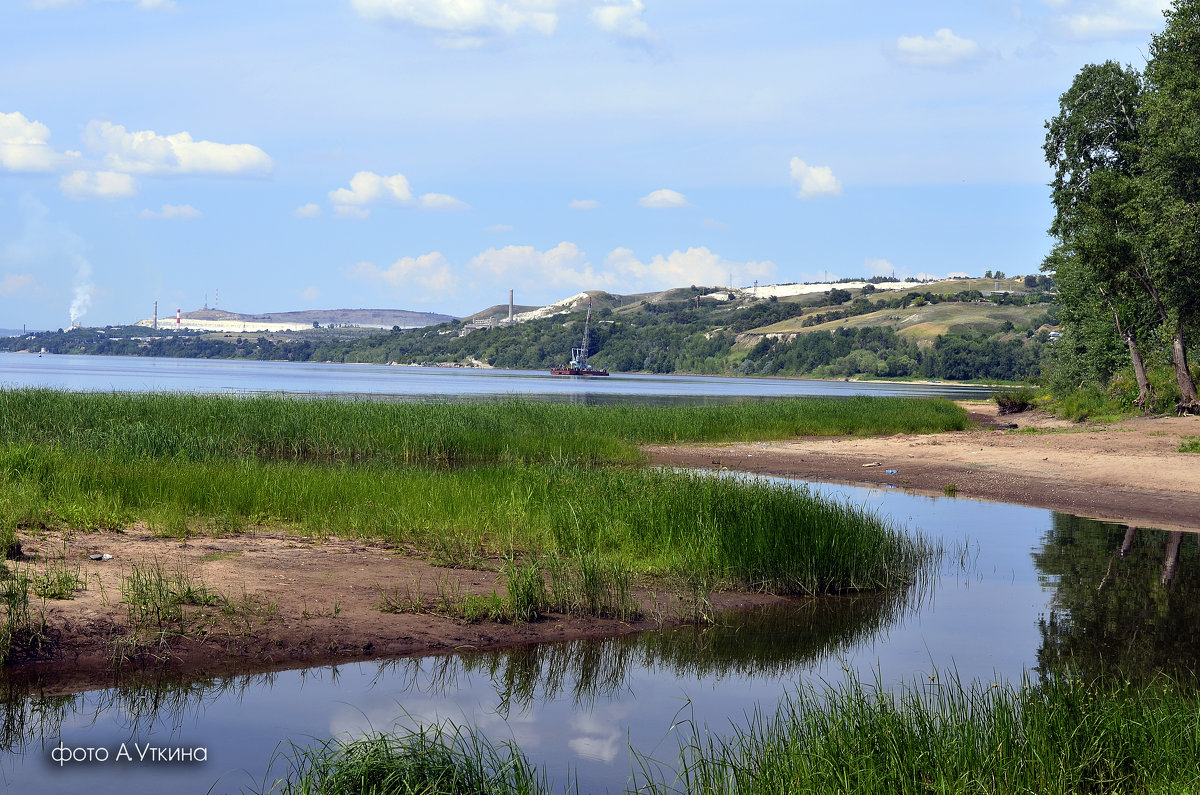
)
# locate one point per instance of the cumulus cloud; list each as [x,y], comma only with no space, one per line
[423,278]
[814,181]
[310,294]
[562,266]
[309,210]
[942,50]
[1108,19]
[465,16]
[97,185]
[147,152]
[367,187]
[14,283]
[663,199]
[623,18]
[694,266]
[173,212]
[350,211]
[584,204]
[442,201]
[24,145]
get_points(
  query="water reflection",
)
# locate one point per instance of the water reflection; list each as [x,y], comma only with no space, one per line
[1122,599]
[770,642]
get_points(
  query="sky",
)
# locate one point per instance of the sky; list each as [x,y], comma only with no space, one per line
[432,155]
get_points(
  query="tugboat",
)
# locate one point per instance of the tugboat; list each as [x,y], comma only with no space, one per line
[579,356]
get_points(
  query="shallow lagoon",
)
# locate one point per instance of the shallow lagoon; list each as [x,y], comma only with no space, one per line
[1024,589]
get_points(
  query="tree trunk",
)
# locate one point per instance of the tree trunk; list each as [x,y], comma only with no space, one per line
[1188,403]
[1145,398]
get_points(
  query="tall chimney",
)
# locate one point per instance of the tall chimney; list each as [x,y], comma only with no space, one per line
[510,306]
[156,314]
[177,320]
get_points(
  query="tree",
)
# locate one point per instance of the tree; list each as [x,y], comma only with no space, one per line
[1094,145]
[1171,205]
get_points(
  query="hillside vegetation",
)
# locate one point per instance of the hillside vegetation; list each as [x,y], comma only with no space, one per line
[946,330]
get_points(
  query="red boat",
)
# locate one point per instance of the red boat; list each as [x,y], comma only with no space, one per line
[579,356]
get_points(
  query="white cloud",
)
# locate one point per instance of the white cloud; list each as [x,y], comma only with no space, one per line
[814,181]
[309,210]
[442,201]
[499,228]
[147,152]
[880,267]
[944,49]
[173,212]
[664,199]
[98,185]
[562,266]
[310,294]
[1108,19]
[465,16]
[350,211]
[713,223]
[24,145]
[428,276]
[14,283]
[367,187]
[584,204]
[680,268]
[622,17]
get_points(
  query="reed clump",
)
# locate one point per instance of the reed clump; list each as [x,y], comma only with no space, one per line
[432,761]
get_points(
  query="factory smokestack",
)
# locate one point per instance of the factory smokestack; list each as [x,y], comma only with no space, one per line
[177,319]
[156,315]
[510,306]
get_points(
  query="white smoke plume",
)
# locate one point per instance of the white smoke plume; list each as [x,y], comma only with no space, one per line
[83,289]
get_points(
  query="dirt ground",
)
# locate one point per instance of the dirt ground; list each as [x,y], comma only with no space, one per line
[283,601]
[1129,472]
[288,601]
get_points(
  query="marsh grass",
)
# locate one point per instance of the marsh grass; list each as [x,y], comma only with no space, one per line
[431,761]
[164,426]
[58,580]
[1190,444]
[448,600]
[1061,735]
[156,597]
[24,629]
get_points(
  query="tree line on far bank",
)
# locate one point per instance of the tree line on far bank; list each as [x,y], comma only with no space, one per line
[1125,149]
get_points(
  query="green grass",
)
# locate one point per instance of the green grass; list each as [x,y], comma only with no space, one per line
[430,761]
[1190,444]
[1060,735]
[199,427]
[1063,735]
[555,486]
[644,521]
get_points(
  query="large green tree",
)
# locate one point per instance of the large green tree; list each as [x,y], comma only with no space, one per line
[1171,192]
[1095,146]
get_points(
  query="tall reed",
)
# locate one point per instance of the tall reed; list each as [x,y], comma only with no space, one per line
[196,427]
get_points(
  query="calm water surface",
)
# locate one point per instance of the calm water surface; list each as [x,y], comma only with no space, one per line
[1034,591]
[147,374]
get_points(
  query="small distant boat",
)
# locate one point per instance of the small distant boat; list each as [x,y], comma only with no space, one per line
[579,356]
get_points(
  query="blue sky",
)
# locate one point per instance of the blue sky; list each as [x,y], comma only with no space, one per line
[433,154]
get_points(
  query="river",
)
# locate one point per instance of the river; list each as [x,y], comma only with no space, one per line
[149,374]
